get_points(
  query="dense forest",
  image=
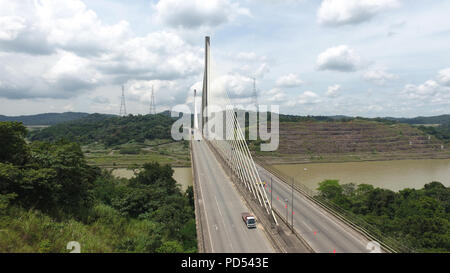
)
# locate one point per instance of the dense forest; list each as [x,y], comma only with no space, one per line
[108,130]
[49,196]
[418,218]
[45,119]
[441,132]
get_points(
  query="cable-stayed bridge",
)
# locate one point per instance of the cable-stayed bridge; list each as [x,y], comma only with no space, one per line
[227,182]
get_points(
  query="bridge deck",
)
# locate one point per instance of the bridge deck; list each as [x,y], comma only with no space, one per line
[323,232]
[221,205]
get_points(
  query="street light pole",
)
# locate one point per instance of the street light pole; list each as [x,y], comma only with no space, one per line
[287,219]
[292,216]
[271,190]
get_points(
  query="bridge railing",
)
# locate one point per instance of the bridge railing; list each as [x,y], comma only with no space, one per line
[370,231]
[201,245]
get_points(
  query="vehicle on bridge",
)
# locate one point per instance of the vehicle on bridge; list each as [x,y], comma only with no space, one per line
[249,220]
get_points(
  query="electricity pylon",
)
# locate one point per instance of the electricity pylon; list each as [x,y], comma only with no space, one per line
[123,108]
[152,103]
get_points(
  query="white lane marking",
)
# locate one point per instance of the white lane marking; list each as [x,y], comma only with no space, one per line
[304,222]
[326,216]
[206,214]
[221,215]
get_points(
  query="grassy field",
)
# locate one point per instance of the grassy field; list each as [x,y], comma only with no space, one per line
[135,154]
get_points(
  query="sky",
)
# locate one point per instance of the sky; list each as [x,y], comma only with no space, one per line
[371,58]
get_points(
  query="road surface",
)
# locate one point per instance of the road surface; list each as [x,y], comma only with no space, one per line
[221,205]
[324,232]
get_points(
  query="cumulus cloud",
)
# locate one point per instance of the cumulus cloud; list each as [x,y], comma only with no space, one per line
[71,68]
[166,92]
[306,98]
[41,27]
[341,58]
[10,27]
[379,76]
[444,77]
[434,91]
[289,81]
[343,12]
[69,50]
[62,75]
[198,13]
[237,86]
[248,57]
[160,55]
[423,91]
[275,95]
[262,70]
[333,91]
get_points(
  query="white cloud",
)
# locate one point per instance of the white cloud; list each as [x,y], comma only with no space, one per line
[333,91]
[10,27]
[275,95]
[444,77]
[70,66]
[198,13]
[162,55]
[262,70]
[379,76]
[166,92]
[41,27]
[69,50]
[340,58]
[342,12]
[306,98]
[248,57]
[289,81]
[430,91]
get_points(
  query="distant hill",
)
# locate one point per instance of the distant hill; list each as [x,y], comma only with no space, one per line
[45,119]
[443,119]
[108,130]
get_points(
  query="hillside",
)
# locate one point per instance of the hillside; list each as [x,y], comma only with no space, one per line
[353,140]
[45,119]
[50,195]
[443,119]
[97,128]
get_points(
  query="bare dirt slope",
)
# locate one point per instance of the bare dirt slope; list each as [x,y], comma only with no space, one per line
[353,141]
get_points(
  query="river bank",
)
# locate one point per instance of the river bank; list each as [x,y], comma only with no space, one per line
[275,158]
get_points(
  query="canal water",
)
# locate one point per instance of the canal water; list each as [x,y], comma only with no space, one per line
[393,175]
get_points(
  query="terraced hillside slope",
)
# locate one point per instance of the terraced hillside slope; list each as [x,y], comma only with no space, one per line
[355,140]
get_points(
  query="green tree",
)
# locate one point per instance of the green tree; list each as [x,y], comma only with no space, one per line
[13,148]
[170,247]
[330,189]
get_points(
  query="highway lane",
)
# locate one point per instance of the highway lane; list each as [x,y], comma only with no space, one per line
[324,232]
[222,205]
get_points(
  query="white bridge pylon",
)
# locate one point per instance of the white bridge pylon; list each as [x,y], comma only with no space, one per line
[232,148]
